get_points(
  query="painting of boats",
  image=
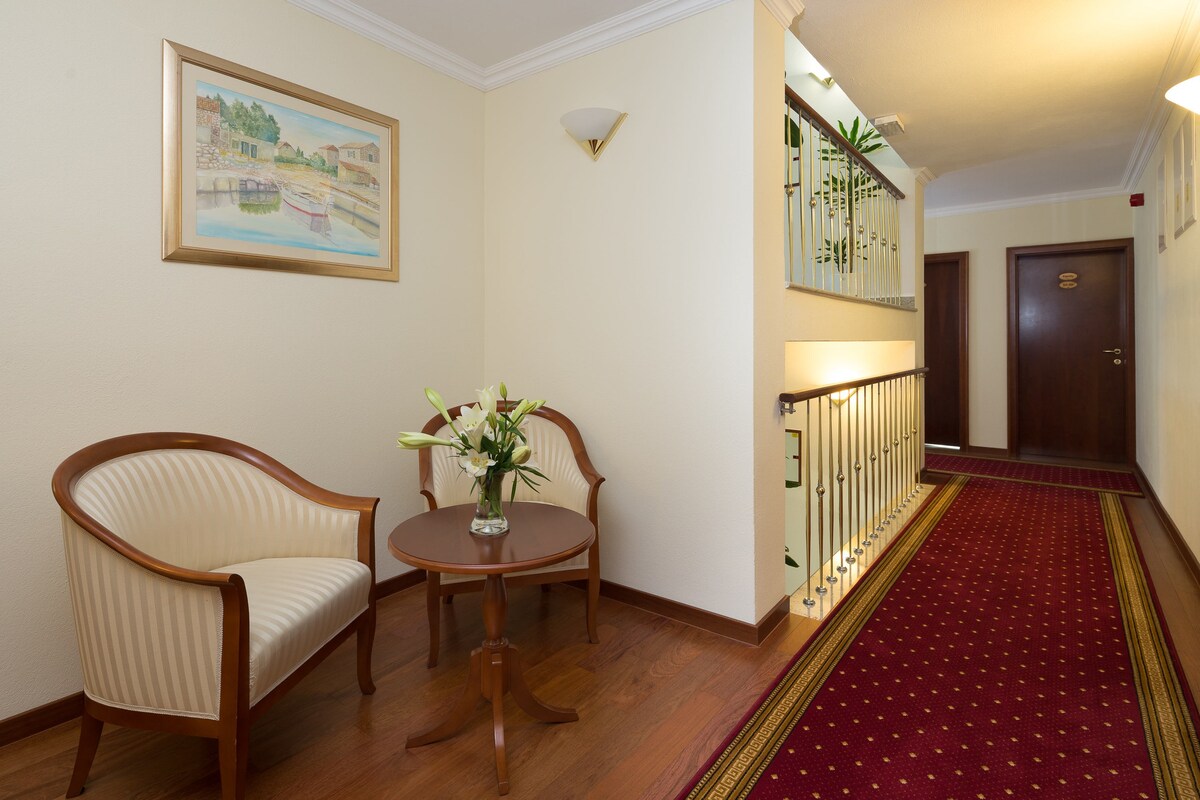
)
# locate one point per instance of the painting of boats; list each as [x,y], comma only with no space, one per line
[272,170]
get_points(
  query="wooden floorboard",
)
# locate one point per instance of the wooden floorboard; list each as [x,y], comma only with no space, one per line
[655,698]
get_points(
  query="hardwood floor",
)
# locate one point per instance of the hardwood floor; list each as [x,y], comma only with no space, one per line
[655,698]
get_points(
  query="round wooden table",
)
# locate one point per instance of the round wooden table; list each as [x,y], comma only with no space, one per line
[538,535]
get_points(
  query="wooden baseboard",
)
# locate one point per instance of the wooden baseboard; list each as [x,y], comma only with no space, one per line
[1172,529]
[737,630]
[399,583]
[990,452]
[36,720]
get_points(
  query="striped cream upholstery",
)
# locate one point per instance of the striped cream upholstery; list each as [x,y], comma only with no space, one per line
[206,578]
[146,643]
[552,455]
[296,606]
[200,510]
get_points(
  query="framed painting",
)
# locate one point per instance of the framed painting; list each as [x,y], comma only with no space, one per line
[260,172]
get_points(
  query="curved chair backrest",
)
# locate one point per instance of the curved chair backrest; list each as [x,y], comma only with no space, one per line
[558,452]
[198,502]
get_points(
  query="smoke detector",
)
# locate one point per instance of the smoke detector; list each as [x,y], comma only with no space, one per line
[888,125]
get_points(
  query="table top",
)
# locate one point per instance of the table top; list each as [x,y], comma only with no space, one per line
[538,535]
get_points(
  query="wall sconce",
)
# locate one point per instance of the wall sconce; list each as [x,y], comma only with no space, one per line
[1186,94]
[822,76]
[593,128]
[839,398]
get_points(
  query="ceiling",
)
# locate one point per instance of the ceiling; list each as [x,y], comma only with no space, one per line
[1005,103]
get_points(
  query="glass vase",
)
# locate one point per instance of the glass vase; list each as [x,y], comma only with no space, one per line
[489,513]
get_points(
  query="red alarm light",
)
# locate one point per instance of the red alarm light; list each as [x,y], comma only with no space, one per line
[1138,199]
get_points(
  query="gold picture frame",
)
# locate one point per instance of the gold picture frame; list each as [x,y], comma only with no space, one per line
[262,173]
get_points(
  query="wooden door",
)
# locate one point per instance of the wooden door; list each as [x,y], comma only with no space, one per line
[946,349]
[1071,377]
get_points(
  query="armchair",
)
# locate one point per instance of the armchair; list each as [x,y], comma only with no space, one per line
[206,580]
[574,483]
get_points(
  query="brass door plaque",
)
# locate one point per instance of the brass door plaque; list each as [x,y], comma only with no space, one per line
[1068,276]
[1068,285]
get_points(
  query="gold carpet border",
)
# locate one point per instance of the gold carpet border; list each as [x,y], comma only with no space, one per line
[1170,732]
[1011,460]
[1125,492]
[737,769]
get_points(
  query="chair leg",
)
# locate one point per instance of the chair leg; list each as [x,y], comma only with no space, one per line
[366,640]
[89,740]
[433,589]
[593,592]
[233,752]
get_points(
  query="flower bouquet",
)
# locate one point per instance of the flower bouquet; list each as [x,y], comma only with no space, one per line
[489,443]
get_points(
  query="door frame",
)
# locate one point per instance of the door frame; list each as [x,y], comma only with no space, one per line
[963,259]
[1122,246]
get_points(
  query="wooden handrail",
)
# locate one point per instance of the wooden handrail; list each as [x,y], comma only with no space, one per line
[821,391]
[798,103]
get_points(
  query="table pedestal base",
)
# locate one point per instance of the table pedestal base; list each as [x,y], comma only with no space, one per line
[495,671]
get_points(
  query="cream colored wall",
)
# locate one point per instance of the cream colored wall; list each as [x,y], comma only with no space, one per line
[770,512]
[986,236]
[98,337]
[1167,321]
[620,290]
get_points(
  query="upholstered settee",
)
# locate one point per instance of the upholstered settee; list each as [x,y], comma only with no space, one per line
[206,579]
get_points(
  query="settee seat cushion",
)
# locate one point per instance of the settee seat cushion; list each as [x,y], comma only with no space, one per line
[296,606]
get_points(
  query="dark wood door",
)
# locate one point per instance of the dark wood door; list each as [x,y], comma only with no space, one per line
[946,349]
[1070,351]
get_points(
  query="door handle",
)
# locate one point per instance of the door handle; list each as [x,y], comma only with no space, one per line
[1116,351]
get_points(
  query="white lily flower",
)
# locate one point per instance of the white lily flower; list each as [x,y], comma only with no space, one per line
[473,417]
[475,463]
[487,399]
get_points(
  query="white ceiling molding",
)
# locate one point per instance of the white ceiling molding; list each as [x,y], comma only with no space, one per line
[613,30]
[387,33]
[924,175]
[635,22]
[1020,202]
[1184,54]
[786,11]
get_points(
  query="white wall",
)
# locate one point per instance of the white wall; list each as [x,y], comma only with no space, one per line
[1167,319]
[98,337]
[620,291]
[986,236]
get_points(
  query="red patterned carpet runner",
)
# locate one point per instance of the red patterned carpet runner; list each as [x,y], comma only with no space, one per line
[1006,646]
[1109,480]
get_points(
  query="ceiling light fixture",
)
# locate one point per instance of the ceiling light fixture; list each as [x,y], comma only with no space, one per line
[593,128]
[888,125]
[1186,94]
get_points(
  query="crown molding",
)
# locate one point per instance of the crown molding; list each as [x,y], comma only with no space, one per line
[614,30]
[785,11]
[924,175]
[1185,52]
[1021,202]
[370,25]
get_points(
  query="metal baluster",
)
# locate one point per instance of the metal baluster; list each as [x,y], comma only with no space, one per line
[886,458]
[806,452]
[876,464]
[919,426]
[829,411]
[897,467]
[820,505]
[814,182]
[856,435]
[788,189]
[841,479]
